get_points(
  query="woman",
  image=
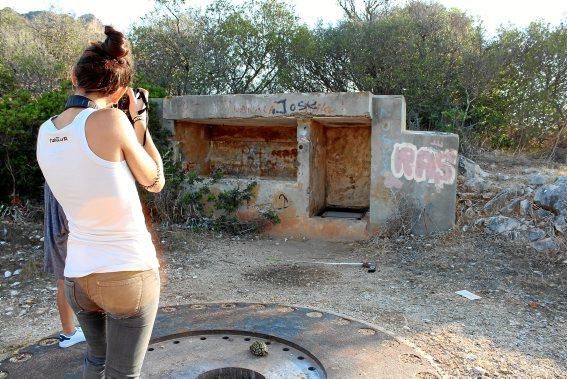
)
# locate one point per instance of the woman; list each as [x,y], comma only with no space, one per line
[91,155]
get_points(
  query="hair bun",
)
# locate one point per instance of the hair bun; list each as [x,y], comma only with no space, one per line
[115,43]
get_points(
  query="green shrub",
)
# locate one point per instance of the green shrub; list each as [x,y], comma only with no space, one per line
[21,115]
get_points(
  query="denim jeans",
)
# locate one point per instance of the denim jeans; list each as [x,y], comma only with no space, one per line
[116,311]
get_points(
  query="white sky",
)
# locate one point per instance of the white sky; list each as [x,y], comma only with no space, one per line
[121,13]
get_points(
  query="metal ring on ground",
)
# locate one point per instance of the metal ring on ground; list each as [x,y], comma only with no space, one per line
[214,340]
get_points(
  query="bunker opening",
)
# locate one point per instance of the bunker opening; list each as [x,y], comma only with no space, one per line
[239,150]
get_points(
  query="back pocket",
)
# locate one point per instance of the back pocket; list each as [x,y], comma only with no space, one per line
[121,298]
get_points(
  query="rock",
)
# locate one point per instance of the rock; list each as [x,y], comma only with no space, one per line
[500,200]
[512,208]
[560,224]
[499,224]
[476,184]
[543,214]
[15,284]
[502,177]
[14,293]
[546,245]
[535,234]
[470,357]
[469,169]
[259,348]
[479,371]
[553,197]
[525,208]
[7,274]
[18,271]
[469,214]
[537,180]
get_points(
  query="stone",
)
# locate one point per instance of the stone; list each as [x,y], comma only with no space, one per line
[259,348]
[535,234]
[500,200]
[502,177]
[546,245]
[552,197]
[543,214]
[469,168]
[525,208]
[7,274]
[512,208]
[560,224]
[18,271]
[469,214]
[537,180]
[476,184]
[479,371]
[499,224]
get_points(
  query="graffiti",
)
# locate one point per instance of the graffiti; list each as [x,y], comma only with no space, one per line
[282,202]
[425,164]
[284,107]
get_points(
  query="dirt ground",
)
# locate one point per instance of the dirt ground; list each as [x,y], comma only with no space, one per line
[517,329]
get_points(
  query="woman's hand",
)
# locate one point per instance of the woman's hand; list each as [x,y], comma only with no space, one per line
[136,104]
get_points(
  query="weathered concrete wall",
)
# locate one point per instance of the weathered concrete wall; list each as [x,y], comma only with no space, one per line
[193,142]
[254,151]
[310,151]
[348,166]
[415,170]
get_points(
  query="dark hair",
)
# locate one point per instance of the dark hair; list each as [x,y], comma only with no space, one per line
[105,66]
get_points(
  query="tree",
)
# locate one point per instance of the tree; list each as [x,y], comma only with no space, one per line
[39,48]
[226,48]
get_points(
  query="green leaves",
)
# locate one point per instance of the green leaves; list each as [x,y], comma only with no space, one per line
[21,114]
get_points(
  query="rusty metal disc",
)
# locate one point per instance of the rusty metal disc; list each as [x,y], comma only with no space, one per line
[204,341]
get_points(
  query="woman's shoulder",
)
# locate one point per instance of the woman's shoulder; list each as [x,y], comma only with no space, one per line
[109,119]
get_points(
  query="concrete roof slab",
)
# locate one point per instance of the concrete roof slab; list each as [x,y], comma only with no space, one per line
[202,107]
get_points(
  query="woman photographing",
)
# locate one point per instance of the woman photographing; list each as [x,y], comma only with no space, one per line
[91,156]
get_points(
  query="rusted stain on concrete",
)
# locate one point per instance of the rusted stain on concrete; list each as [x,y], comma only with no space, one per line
[239,151]
[194,144]
[348,166]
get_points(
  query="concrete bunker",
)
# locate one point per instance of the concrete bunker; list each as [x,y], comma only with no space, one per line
[336,165]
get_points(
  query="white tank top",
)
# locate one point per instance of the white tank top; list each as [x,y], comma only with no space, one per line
[107,232]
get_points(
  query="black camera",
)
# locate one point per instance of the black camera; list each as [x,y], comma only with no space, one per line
[124,102]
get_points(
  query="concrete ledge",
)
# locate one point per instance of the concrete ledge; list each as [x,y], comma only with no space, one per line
[199,107]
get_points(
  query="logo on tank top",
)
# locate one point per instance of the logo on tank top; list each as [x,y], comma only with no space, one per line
[58,139]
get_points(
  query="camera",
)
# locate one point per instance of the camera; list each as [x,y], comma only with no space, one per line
[124,102]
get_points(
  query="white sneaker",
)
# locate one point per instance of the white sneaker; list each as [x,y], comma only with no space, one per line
[66,341]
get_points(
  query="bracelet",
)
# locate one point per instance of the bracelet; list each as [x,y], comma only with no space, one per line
[156,179]
[137,118]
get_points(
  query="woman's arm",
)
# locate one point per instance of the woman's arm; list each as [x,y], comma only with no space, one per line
[143,136]
[144,161]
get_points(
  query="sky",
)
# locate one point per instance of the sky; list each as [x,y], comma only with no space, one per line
[121,13]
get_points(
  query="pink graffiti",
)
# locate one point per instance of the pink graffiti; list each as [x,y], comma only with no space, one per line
[424,164]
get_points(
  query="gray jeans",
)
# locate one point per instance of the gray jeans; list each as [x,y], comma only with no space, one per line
[116,311]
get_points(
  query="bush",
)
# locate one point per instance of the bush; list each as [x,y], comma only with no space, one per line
[190,199]
[21,114]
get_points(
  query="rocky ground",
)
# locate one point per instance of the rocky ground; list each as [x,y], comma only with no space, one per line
[517,328]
